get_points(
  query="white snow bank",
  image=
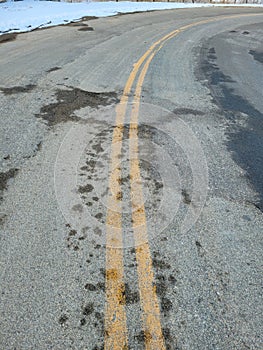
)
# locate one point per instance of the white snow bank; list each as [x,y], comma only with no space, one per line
[29,14]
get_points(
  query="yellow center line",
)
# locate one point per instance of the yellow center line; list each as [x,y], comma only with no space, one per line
[149,301]
[116,335]
[115,315]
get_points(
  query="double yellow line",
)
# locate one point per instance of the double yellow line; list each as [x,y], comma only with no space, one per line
[116,335]
[115,316]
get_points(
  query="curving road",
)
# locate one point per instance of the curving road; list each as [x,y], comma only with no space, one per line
[131,183]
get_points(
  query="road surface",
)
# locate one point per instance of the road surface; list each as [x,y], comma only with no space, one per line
[131,183]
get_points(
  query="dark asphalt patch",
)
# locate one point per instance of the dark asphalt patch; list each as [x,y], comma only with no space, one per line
[17,89]
[170,340]
[88,309]
[83,321]
[91,287]
[74,239]
[186,111]
[4,178]
[96,157]
[100,286]
[85,189]
[83,26]
[161,290]
[257,55]
[53,69]
[2,218]
[63,319]
[245,143]
[131,297]
[186,197]
[160,264]
[7,37]
[200,249]
[86,29]
[72,100]
[78,208]
[210,69]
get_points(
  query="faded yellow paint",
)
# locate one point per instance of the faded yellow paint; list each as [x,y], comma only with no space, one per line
[115,316]
[149,302]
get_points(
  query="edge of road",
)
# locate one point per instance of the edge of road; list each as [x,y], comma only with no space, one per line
[7,37]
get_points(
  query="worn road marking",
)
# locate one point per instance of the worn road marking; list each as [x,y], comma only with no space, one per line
[149,301]
[116,335]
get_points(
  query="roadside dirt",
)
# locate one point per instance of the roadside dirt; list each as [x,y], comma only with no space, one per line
[7,37]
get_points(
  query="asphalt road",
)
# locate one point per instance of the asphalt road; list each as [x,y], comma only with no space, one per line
[131,183]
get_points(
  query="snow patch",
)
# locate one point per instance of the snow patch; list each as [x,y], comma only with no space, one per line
[22,16]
